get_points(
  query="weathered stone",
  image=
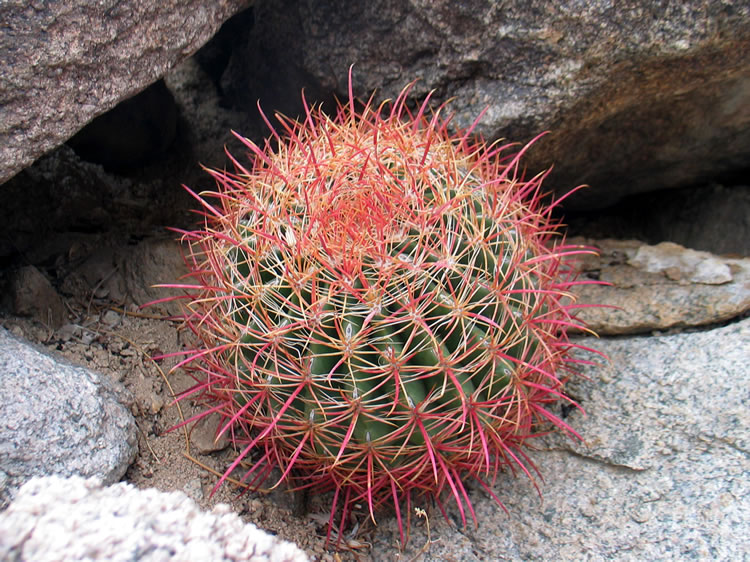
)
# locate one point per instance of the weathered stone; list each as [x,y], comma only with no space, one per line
[56,518]
[203,435]
[64,63]
[129,274]
[638,97]
[662,472]
[57,418]
[681,264]
[29,293]
[660,287]
[682,394]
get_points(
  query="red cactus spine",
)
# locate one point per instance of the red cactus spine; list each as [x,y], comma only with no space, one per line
[380,307]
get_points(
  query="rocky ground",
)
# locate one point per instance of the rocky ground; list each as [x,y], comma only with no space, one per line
[122,344]
[625,473]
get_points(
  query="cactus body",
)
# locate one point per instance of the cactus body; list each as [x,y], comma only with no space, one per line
[380,307]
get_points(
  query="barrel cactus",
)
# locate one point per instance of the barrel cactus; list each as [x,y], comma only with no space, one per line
[381,307]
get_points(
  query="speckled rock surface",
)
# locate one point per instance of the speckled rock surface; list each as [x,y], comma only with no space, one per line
[75,519]
[64,63]
[57,418]
[638,95]
[662,474]
[661,287]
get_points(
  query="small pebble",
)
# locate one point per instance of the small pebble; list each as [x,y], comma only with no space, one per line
[111,318]
[157,403]
[194,489]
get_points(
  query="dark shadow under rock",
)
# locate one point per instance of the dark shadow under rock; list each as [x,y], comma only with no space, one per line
[135,132]
[714,218]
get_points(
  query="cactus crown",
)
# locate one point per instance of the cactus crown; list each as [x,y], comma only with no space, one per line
[379,306]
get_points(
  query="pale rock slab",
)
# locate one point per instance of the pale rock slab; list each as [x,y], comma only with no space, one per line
[58,418]
[55,518]
[659,287]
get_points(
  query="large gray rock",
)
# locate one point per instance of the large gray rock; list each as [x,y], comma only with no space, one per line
[65,62]
[638,96]
[55,518]
[663,472]
[57,418]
